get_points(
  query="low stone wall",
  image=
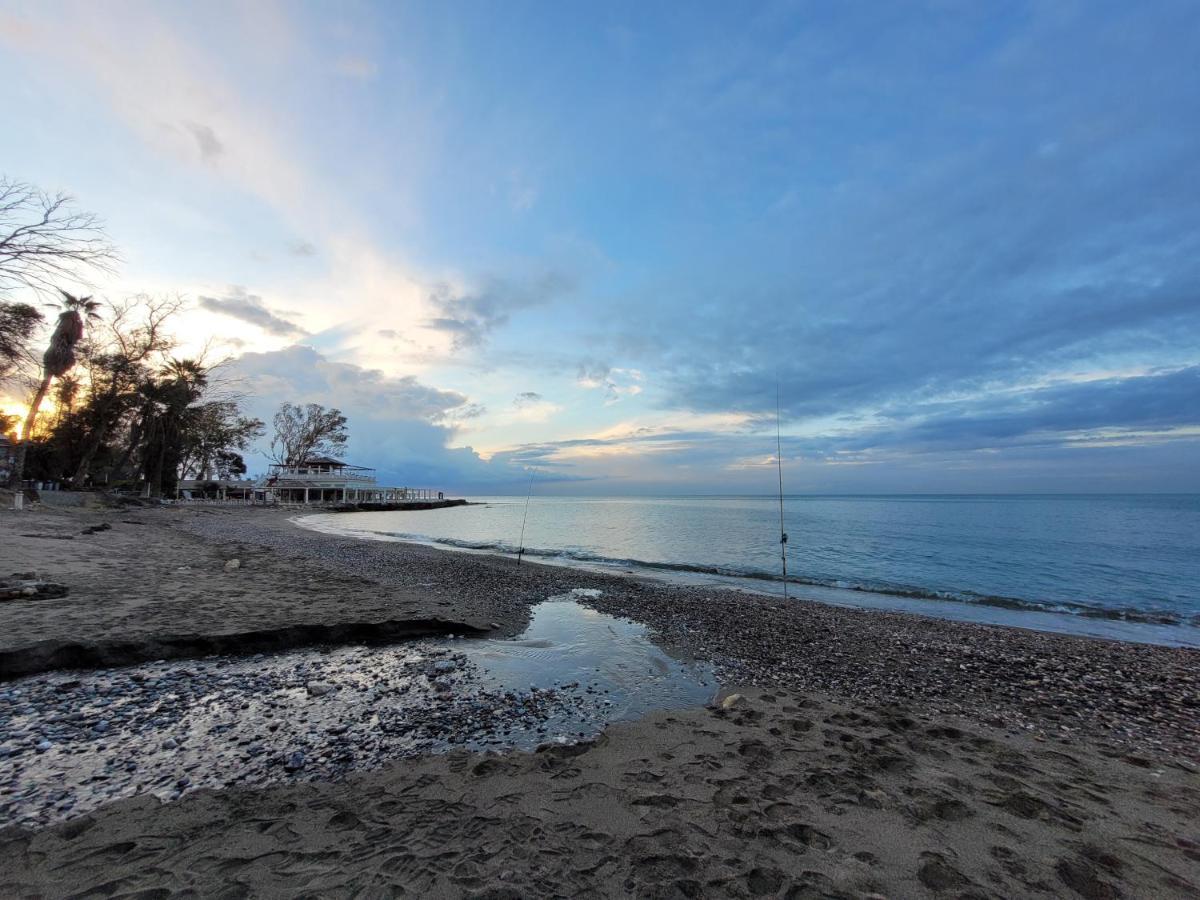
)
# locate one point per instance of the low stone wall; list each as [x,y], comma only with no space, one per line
[67,499]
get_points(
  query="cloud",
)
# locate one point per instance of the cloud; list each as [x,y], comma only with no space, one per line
[526,398]
[1103,410]
[239,304]
[615,382]
[301,248]
[399,425]
[895,220]
[470,317]
[206,140]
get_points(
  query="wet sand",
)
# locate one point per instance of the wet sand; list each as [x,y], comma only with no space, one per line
[871,753]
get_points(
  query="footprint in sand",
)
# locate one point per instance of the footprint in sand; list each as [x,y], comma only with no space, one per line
[936,873]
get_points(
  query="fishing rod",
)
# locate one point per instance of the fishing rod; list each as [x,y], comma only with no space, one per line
[525,518]
[779,466]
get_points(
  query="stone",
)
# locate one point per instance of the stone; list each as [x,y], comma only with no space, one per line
[445,665]
[733,700]
[170,744]
[318,688]
[43,746]
[233,564]
[295,762]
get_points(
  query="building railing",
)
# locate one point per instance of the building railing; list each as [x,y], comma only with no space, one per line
[301,472]
[325,479]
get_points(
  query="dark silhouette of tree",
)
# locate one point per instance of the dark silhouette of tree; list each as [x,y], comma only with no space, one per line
[57,361]
[18,322]
[45,241]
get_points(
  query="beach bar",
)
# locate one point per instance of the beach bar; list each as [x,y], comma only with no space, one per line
[322,479]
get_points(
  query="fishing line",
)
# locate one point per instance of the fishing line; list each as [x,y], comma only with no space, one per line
[779,466]
[525,518]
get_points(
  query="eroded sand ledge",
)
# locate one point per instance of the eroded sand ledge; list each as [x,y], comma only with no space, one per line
[49,656]
[878,753]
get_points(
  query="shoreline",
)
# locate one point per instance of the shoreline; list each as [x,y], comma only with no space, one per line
[867,751]
[1141,695]
[1160,628]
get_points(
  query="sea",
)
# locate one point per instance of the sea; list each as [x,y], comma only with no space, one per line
[1115,566]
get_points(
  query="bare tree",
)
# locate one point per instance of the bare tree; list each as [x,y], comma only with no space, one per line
[301,431]
[44,240]
[18,321]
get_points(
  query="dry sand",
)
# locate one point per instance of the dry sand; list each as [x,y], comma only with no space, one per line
[818,785]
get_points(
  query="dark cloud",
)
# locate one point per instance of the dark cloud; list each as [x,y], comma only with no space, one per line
[471,318]
[1096,410]
[526,398]
[209,145]
[248,307]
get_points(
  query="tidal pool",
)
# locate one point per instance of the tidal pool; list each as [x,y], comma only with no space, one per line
[70,741]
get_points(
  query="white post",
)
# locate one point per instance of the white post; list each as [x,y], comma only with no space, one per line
[306,495]
[18,499]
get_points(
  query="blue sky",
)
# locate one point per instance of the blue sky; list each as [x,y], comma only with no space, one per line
[964,237]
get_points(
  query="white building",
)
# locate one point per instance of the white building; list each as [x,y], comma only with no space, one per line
[322,479]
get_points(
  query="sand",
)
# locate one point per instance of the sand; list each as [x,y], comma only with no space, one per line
[878,766]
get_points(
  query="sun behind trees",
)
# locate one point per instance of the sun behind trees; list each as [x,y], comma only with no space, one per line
[136,416]
[123,411]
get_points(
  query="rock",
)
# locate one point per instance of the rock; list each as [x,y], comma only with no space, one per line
[19,588]
[233,564]
[170,744]
[318,688]
[732,701]
[445,665]
[295,762]
[43,746]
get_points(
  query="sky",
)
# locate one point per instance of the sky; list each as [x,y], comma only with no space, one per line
[956,244]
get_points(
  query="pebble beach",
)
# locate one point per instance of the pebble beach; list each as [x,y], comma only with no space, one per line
[796,749]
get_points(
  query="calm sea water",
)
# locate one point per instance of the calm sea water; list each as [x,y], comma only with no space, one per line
[1119,566]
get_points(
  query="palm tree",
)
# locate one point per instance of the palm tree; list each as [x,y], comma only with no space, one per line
[57,361]
[180,383]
